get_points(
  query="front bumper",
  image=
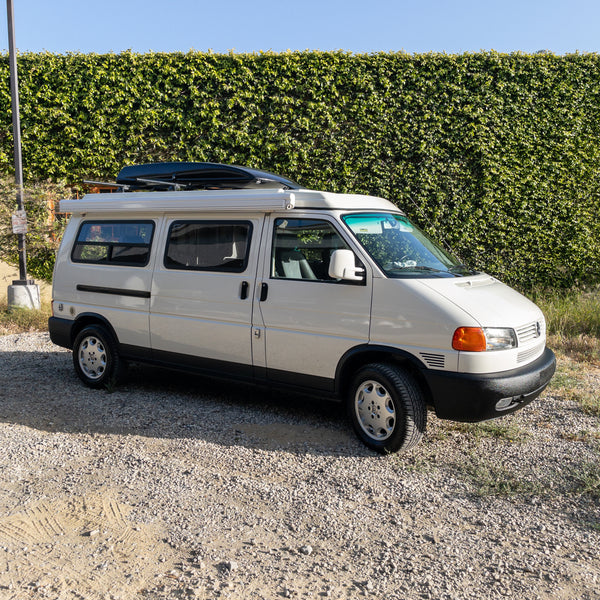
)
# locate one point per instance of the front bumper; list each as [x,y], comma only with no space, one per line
[477,397]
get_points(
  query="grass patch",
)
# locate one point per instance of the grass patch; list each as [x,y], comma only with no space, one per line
[414,463]
[573,320]
[572,313]
[23,320]
[586,480]
[486,479]
[500,429]
[581,436]
[578,381]
[581,348]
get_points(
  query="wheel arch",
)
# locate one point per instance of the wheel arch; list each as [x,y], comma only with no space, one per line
[365,354]
[85,319]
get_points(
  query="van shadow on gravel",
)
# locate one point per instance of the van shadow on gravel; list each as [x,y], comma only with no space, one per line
[41,390]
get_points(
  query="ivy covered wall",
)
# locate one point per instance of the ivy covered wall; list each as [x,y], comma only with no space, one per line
[498,155]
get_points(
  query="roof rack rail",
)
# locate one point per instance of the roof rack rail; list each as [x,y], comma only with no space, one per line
[176,176]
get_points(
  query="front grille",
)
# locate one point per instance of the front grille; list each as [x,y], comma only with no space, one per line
[530,353]
[529,332]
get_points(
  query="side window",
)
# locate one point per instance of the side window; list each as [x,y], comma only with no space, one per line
[114,242]
[302,249]
[208,246]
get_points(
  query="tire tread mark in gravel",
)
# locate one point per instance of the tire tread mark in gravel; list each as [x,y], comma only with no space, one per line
[83,544]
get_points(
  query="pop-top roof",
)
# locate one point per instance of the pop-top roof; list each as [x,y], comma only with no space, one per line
[175,176]
[192,187]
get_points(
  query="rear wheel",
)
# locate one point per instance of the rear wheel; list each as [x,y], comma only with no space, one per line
[95,357]
[387,408]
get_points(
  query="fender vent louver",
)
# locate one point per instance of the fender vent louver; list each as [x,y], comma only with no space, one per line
[433,361]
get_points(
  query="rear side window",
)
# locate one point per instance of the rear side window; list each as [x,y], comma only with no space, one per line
[208,246]
[124,243]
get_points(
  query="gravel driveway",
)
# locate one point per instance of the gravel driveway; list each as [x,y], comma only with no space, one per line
[178,487]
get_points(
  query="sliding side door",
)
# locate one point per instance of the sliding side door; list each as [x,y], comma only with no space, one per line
[202,293]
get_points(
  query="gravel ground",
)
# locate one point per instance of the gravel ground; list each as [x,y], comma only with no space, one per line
[177,487]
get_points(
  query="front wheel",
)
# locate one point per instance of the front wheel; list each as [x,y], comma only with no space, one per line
[387,408]
[95,357]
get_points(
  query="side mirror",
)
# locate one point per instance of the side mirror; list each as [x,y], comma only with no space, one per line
[342,266]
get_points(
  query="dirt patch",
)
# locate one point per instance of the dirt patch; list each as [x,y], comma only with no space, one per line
[78,547]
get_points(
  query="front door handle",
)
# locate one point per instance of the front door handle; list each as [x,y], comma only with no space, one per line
[264,291]
[244,290]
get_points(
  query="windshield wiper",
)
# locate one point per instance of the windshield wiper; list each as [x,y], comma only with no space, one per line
[417,268]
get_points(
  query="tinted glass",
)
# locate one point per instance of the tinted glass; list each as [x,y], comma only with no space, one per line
[208,246]
[114,242]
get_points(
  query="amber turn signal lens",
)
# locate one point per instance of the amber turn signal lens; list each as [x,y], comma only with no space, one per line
[469,339]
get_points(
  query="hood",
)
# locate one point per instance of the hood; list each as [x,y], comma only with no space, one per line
[487,300]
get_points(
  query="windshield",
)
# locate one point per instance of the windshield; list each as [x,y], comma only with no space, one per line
[401,249]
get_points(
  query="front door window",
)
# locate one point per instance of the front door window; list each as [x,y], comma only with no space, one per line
[302,249]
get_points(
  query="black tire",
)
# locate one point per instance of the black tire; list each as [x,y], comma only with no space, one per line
[95,357]
[387,408]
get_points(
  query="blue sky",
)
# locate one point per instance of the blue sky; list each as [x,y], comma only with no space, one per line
[358,26]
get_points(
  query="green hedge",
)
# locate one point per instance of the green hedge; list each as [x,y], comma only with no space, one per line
[44,231]
[497,155]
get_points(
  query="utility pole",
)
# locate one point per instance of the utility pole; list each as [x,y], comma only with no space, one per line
[23,292]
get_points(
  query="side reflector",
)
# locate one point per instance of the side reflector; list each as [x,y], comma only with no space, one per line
[469,339]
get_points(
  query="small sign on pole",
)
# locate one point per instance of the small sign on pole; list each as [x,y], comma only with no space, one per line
[19,222]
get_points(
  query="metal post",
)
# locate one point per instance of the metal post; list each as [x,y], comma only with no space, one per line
[16,123]
[22,293]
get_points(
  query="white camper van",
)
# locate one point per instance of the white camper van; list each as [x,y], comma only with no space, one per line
[228,271]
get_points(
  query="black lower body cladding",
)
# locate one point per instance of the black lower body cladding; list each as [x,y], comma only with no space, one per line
[60,332]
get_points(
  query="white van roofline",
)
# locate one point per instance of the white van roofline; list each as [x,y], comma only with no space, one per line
[223,201]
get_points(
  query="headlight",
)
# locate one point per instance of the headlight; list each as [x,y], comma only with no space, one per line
[476,339]
[499,338]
